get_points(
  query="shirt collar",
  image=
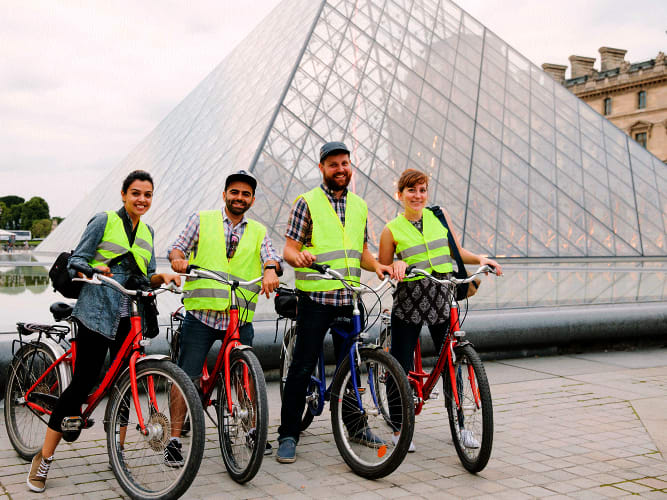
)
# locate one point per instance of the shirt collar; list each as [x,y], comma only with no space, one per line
[244,220]
[330,193]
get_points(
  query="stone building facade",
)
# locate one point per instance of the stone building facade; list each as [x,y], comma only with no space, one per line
[633,96]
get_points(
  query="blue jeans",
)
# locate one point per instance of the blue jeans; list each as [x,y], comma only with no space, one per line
[196,340]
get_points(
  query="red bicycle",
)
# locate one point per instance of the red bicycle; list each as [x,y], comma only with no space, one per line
[235,387]
[139,387]
[466,387]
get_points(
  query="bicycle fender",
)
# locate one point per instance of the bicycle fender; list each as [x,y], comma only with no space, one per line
[158,357]
[243,347]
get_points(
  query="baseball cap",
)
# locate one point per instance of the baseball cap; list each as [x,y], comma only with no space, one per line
[332,147]
[243,176]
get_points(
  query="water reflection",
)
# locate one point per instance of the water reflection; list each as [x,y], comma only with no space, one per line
[15,280]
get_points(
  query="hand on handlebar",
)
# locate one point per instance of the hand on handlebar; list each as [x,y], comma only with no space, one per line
[399,270]
[270,282]
[179,265]
[484,261]
[304,259]
[381,270]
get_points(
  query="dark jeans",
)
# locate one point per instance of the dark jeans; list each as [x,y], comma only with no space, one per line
[197,339]
[91,351]
[404,338]
[312,324]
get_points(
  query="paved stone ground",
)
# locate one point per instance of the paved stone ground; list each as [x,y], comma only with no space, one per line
[581,426]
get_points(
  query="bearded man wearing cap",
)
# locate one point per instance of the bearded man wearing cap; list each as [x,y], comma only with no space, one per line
[222,240]
[325,223]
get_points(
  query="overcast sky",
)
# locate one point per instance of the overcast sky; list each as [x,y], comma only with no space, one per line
[81,83]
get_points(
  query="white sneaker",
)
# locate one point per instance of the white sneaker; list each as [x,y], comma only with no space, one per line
[411,448]
[468,439]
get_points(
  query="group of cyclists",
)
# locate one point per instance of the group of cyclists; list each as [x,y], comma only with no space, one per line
[327,225]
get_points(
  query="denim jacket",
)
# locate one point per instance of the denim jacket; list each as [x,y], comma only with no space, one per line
[98,307]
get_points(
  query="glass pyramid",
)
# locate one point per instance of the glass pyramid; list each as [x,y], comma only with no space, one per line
[525,169]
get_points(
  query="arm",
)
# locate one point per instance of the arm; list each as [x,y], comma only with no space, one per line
[294,256]
[87,247]
[184,244]
[469,257]
[370,263]
[387,251]
[269,256]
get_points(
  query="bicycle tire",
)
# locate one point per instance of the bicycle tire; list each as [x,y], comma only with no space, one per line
[242,449]
[367,458]
[26,427]
[140,466]
[313,396]
[471,418]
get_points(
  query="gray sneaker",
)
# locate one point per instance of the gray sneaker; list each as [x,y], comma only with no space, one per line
[468,439]
[38,471]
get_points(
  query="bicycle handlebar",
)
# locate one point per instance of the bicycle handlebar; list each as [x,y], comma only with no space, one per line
[412,272]
[85,269]
[198,272]
[101,279]
[332,274]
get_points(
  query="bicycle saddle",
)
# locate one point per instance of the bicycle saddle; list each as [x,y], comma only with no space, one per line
[61,310]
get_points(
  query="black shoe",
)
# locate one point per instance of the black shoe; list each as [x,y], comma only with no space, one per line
[366,437]
[172,454]
[250,442]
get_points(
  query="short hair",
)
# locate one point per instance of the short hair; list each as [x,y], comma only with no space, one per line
[410,178]
[136,175]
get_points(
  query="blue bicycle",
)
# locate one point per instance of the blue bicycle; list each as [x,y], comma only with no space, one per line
[366,382]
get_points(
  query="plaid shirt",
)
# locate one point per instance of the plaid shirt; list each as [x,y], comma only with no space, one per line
[300,229]
[187,242]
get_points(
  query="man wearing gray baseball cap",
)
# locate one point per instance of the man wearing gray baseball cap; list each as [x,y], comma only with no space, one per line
[223,241]
[324,223]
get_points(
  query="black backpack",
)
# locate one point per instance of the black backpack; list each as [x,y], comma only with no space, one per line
[62,282]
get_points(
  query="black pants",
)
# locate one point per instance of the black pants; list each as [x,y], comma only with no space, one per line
[404,337]
[312,324]
[91,351]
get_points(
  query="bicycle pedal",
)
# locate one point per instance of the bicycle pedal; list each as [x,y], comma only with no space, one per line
[72,424]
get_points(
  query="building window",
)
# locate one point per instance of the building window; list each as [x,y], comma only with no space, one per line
[641,138]
[641,100]
[607,106]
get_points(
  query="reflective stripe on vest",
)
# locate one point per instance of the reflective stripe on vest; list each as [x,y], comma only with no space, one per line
[115,243]
[207,294]
[427,250]
[337,246]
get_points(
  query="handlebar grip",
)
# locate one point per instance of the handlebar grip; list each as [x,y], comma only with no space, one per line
[320,268]
[85,269]
[386,273]
[410,269]
[190,268]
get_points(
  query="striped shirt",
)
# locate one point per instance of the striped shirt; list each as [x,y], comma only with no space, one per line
[187,242]
[300,229]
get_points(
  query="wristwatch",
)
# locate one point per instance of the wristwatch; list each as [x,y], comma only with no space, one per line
[275,268]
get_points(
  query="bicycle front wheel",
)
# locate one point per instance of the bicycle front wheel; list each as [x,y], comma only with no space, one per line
[147,465]
[243,429]
[26,426]
[366,439]
[471,423]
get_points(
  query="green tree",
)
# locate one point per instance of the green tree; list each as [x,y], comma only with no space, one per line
[35,208]
[41,228]
[12,200]
[13,218]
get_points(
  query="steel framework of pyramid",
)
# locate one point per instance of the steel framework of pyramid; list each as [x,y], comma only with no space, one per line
[525,168]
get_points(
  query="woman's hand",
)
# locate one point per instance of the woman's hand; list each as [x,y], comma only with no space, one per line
[399,269]
[165,278]
[484,261]
[105,271]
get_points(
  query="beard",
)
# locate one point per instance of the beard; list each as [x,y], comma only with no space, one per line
[337,184]
[236,209]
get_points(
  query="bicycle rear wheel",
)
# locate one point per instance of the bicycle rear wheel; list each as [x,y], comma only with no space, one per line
[243,430]
[471,423]
[26,426]
[313,393]
[366,441]
[140,463]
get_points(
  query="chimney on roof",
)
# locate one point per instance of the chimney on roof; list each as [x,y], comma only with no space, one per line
[557,71]
[581,66]
[611,58]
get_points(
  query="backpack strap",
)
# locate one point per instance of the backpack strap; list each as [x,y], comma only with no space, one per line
[453,247]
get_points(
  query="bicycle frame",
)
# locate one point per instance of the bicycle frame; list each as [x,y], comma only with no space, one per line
[131,349]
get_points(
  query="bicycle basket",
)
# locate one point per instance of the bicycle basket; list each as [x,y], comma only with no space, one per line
[285,302]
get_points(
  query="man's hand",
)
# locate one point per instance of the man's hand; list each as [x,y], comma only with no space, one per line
[270,282]
[105,271]
[179,265]
[304,259]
